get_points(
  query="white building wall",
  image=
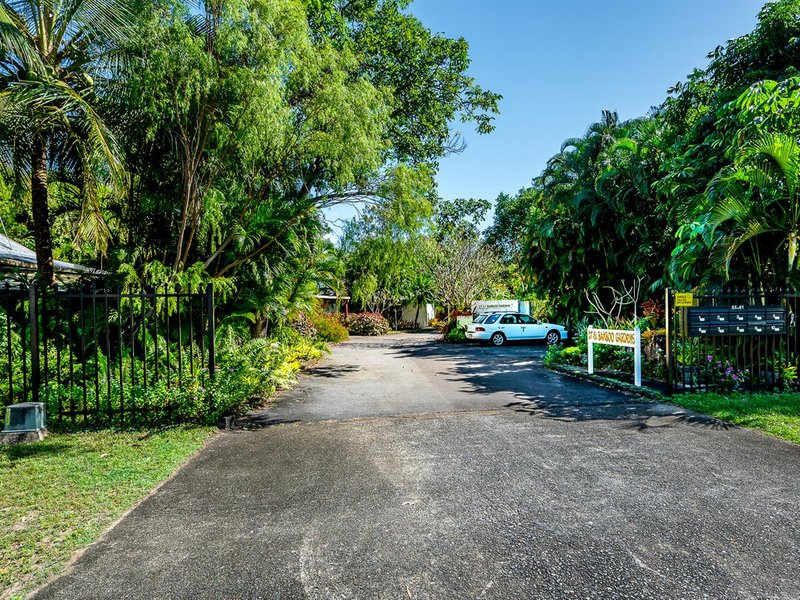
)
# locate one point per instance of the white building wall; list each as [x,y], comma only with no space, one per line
[426,313]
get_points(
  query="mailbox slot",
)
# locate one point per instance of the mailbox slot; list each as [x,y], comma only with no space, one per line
[702,316]
[776,314]
[701,330]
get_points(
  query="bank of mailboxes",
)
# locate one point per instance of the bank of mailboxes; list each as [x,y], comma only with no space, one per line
[738,320]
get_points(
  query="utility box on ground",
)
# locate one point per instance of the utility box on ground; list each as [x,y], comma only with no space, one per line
[24,422]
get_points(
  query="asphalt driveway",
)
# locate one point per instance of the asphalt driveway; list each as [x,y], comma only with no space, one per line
[405,468]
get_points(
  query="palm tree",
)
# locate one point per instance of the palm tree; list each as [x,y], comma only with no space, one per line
[758,208]
[55,55]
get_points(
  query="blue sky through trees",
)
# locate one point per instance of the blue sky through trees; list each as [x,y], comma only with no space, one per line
[558,63]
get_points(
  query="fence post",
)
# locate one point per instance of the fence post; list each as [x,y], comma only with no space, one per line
[591,352]
[637,357]
[212,358]
[668,355]
[35,382]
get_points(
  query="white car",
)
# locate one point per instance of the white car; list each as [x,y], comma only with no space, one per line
[501,327]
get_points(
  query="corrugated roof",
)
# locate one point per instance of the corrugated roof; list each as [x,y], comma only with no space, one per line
[16,256]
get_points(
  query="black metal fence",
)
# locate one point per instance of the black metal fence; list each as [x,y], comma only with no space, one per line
[96,355]
[732,340]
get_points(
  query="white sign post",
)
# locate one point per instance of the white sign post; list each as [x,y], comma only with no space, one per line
[618,337]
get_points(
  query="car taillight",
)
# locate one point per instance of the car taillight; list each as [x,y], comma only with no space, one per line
[479,329]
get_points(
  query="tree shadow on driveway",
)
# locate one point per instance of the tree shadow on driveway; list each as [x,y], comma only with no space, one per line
[537,391]
[331,371]
[638,415]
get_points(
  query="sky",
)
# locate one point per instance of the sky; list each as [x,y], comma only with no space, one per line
[559,63]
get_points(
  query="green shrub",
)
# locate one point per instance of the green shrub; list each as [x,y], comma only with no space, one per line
[558,355]
[367,324]
[572,356]
[248,370]
[455,335]
[329,327]
[252,370]
[552,355]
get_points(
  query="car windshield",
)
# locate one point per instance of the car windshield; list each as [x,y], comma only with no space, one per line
[491,319]
[479,319]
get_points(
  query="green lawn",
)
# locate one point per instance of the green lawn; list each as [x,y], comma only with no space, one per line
[59,495]
[775,414]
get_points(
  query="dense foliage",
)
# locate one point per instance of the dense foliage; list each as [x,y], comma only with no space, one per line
[226,129]
[179,144]
[701,192]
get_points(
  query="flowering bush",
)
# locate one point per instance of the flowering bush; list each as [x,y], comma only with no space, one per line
[446,325]
[367,324]
[726,374]
[329,327]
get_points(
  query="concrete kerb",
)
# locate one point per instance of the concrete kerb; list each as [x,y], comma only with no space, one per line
[614,384]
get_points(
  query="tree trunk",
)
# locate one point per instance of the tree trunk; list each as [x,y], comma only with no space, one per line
[41,215]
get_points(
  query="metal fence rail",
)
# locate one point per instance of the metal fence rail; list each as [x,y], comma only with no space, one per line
[96,355]
[735,352]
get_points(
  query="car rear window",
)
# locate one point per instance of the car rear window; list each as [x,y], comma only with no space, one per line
[479,319]
[491,319]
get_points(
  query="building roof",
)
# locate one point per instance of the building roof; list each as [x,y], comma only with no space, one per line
[16,257]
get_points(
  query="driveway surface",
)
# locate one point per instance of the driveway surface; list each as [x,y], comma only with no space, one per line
[401,467]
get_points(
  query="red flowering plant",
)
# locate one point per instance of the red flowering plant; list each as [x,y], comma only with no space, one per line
[367,324]
[653,312]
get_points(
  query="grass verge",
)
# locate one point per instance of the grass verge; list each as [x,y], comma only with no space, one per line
[59,495]
[775,414]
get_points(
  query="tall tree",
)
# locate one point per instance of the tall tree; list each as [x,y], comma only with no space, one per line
[594,219]
[54,59]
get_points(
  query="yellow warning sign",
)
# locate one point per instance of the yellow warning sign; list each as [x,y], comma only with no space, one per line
[684,299]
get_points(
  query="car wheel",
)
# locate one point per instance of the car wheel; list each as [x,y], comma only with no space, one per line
[552,337]
[498,339]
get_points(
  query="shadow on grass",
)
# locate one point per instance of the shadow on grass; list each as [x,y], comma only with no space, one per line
[20,452]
